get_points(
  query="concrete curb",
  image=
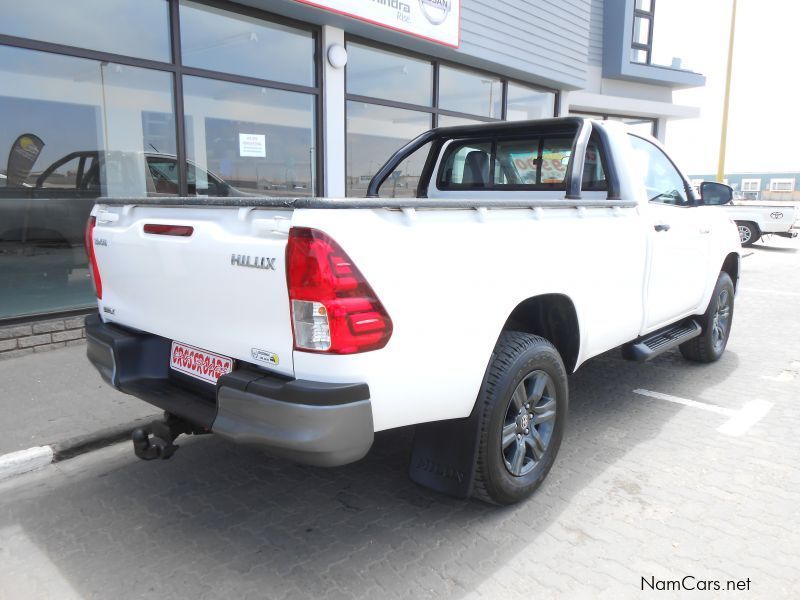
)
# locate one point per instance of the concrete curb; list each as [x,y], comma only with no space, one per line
[23,461]
[31,459]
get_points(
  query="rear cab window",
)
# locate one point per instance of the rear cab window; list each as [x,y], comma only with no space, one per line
[521,164]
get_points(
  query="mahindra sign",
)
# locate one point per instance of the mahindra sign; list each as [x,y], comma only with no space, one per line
[433,20]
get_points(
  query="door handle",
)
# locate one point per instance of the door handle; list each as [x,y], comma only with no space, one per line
[705,230]
[661,227]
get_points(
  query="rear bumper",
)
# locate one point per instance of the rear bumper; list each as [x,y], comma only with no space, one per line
[317,423]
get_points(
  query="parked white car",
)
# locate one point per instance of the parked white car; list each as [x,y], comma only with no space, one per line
[305,326]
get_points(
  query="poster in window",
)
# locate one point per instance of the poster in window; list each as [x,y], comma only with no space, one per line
[253,145]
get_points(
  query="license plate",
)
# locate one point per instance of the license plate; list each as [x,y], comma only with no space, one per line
[201,364]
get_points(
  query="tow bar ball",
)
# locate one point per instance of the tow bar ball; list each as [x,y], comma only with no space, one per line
[156,439]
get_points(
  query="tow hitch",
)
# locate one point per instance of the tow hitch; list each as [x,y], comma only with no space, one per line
[156,439]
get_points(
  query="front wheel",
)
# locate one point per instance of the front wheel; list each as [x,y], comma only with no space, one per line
[524,408]
[716,323]
[748,233]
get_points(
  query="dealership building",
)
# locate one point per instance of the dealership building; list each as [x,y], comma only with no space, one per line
[272,97]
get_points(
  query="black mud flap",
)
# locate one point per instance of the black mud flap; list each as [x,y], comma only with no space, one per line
[444,454]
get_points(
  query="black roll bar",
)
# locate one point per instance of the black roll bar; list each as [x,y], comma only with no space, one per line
[574,175]
[418,142]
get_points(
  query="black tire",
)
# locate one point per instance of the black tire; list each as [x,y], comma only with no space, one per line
[527,362]
[716,323]
[748,233]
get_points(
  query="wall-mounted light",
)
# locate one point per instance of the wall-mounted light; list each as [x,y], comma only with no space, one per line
[337,56]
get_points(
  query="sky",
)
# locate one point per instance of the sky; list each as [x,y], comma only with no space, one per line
[763,125]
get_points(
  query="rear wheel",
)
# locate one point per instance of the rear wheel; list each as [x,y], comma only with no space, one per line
[716,324]
[748,233]
[524,408]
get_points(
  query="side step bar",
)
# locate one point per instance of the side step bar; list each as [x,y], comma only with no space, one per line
[658,342]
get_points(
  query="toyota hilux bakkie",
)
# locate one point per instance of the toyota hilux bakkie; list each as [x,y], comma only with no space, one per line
[305,326]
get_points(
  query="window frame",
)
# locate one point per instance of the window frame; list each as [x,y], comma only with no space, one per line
[691,198]
[445,153]
[647,48]
[177,69]
[750,181]
[774,182]
[434,110]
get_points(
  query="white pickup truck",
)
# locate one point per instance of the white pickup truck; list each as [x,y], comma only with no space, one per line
[756,219]
[304,326]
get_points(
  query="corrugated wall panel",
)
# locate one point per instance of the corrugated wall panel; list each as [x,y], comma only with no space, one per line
[596,33]
[546,38]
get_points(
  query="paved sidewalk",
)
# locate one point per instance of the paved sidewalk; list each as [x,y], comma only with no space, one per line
[49,398]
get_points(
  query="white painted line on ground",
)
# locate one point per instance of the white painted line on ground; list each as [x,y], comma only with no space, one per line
[739,421]
[750,414]
[17,463]
[693,403]
[773,292]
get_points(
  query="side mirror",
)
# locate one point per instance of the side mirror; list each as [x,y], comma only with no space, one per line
[713,193]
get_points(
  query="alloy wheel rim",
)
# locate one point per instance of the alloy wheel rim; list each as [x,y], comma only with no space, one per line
[721,321]
[744,234]
[528,424]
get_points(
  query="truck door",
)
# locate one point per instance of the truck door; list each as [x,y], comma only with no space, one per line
[678,239]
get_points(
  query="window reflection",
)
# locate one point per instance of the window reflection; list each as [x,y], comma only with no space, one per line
[449,121]
[73,130]
[131,27]
[528,103]
[469,92]
[382,74]
[219,40]
[374,133]
[249,139]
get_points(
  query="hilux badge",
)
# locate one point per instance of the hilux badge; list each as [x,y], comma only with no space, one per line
[255,262]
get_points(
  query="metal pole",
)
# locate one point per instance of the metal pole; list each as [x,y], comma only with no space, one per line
[726,102]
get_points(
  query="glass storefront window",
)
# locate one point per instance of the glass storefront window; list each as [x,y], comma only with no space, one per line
[449,121]
[219,40]
[470,93]
[382,74]
[395,81]
[245,139]
[374,133]
[641,30]
[131,27]
[528,103]
[73,129]
[640,125]
[638,56]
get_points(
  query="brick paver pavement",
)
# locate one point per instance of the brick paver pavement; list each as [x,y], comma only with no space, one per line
[642,488]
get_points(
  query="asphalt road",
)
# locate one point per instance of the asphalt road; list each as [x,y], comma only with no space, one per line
[693,478]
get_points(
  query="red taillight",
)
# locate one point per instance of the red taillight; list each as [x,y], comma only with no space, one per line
[177,230]
[333,307]
[88,242]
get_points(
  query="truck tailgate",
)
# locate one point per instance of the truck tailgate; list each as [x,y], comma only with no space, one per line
[216,282]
